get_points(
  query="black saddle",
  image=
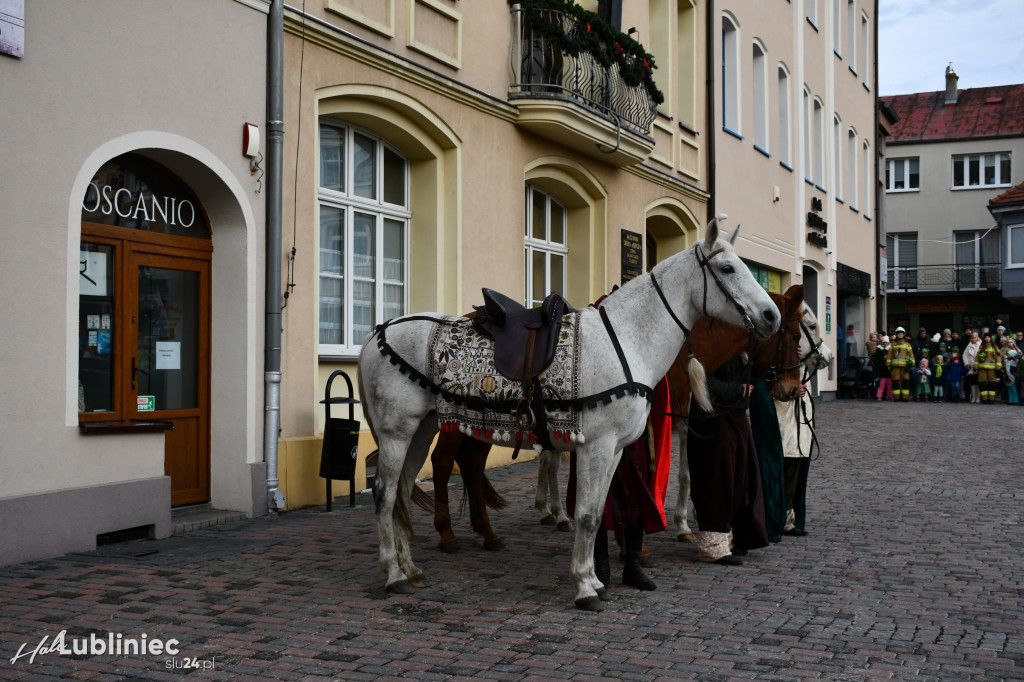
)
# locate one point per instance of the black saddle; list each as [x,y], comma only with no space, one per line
[524,338]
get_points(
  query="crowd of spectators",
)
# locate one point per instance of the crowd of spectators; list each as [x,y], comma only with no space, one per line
[978,365]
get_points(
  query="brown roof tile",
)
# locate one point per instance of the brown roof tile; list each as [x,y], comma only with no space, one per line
[978,112]
[1014,195]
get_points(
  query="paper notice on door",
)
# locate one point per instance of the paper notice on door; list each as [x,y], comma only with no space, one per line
[168,355]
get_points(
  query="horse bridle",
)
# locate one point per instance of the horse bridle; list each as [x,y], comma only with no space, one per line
[773,374]
[704,262]
[820,363]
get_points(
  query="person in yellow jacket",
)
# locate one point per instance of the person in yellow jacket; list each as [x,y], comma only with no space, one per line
[989,362]
[900,361]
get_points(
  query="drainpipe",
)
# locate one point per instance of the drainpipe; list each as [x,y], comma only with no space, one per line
[881,302]
[272,332]
[710,69]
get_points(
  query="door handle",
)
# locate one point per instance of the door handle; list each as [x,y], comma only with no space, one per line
[136,370]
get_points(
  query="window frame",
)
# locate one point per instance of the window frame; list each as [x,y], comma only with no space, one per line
[1010,230]
[760,97]
[894,269]
[890,174]
[351,205]
[852,178]
[785,122]
[732,119]
[547,246]
[981,156]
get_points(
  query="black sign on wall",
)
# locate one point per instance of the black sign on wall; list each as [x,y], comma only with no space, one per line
[852,280]
[632,255]
[816,222]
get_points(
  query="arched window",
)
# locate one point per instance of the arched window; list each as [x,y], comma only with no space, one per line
[760,97]
[837,166]
[851,167]
[730,75]
[784,122]
[363,217]
[808,135]
[547,245]
[819,143]
[865,205]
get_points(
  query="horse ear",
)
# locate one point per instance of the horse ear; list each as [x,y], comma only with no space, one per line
[735,233]
[712,234]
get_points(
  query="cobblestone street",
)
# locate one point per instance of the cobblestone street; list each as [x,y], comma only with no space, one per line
[912,570]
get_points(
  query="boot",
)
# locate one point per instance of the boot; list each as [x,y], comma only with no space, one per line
[632,572]
[975,394]
[602,569]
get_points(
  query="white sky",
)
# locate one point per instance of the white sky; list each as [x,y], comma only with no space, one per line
[917,39]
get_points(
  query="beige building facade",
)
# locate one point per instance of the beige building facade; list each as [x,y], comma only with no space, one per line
[439,147]
[795,154]
[132,347]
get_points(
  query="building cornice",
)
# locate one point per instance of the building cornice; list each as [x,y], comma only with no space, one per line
[338,40]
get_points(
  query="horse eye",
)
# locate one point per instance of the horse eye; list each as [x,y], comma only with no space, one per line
[728,269]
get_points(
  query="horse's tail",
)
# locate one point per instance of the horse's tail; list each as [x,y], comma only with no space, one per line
[401,510]
[699,384]
[422,499]
[492,497]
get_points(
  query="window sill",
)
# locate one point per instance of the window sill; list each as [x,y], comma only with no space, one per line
[786,166]
[813,25]
[762,151]
[903,191]
[334,357]
[854,209]
[733,133]
[125,426]
[840,200]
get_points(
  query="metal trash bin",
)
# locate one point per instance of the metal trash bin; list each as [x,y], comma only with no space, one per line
[341,442]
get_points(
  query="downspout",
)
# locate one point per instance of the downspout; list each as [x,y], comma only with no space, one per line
[272,332]
[880,299]
[710,69]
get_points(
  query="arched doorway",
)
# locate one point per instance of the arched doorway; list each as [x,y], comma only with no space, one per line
[144,314]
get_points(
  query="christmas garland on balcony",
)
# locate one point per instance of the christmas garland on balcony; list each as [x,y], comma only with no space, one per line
[593,35]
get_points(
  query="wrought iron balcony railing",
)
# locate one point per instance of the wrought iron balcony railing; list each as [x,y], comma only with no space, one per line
[929,278]
[542,69]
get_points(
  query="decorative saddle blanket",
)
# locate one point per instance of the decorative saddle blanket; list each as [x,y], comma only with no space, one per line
[461,364]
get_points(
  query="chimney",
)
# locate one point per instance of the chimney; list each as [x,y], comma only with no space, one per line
[952,80]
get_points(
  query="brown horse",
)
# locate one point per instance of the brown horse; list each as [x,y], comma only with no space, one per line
[711,342]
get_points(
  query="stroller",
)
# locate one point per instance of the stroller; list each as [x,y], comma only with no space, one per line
[857,379]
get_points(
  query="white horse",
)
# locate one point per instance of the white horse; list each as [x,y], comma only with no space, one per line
[632,337]
[815,354]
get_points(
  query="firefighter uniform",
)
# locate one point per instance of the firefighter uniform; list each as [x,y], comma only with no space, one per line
[989,361]
[900,361]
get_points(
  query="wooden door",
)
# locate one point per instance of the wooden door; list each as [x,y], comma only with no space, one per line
[167,376]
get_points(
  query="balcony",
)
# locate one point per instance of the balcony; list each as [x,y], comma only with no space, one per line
[566,95]
[944,278]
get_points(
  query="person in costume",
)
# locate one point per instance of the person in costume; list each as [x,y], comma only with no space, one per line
[724,469]
[882,370]
[989,362]
[900,361]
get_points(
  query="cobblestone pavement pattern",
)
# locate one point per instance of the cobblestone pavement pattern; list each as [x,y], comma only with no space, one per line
[911,571]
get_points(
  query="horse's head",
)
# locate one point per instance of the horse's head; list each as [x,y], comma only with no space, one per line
[816,354]
[733,295]
[778,358]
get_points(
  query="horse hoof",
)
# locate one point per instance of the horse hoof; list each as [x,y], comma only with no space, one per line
[400,587]
[495,545]
[418,581]
[603,595]
[449,546]
[686,537]
[589,604]
[548,520]
[566,526]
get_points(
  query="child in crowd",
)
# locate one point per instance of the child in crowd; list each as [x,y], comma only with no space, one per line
[924,387]
[1011,377]
[954,372]
[939,379]
[882,370]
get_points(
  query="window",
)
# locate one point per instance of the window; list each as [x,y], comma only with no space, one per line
[730,76]
[851,34]
[902,175]
[1016,244]
[837,28]
[806,114]
[784,123]
[869,185]
[981,170]
[819,143]
[851,167]
[760,98]
[364,217]
[547,247]
[865,48]
[902,262]
[687,59]
[976,254]
[837,167]
[812,12]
